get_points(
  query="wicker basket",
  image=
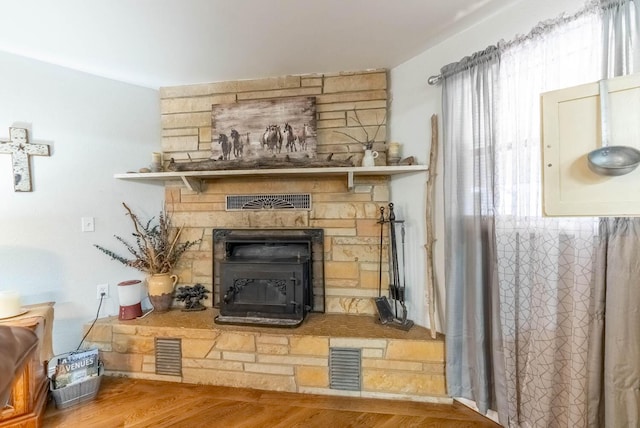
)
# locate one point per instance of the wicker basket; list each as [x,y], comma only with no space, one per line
[75,393]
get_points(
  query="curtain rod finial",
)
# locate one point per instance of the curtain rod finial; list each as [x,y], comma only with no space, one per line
[434,80]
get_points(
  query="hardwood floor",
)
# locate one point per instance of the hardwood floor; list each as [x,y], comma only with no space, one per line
[125,402]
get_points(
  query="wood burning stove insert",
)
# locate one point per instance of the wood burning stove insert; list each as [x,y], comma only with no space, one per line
[270,277]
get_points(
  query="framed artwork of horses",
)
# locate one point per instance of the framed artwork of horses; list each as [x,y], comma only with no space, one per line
[264,129]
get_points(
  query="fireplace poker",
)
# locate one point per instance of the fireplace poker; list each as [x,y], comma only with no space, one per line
[393,288]
[398,291]
[381,221]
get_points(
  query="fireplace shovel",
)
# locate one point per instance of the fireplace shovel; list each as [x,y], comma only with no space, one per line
[382,303]
[384,310]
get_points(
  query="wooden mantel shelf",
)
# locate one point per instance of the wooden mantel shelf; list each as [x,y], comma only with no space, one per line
[194,179]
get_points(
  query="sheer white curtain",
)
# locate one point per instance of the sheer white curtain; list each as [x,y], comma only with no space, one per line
[545,266]
[568,295]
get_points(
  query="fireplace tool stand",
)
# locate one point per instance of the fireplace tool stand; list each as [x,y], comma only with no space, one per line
[388,315]
[385,313]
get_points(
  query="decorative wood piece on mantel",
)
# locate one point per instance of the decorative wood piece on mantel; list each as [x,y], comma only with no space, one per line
[20,149]
[258,163]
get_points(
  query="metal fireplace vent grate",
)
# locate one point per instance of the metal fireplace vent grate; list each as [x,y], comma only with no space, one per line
[269,202]
[168,356]
[345,368]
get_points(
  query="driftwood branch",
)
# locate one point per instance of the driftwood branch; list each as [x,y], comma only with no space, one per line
[430,279]
[264,163]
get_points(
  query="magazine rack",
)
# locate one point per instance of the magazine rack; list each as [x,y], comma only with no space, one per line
[75,393]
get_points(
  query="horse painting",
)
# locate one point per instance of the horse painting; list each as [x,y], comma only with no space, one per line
[223,140]
[270,128]
[237,144]
[289,138]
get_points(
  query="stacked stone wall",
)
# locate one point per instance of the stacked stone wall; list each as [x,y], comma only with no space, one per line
[348,216]
[394,364]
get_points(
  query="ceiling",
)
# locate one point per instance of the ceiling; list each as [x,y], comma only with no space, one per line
[155,43]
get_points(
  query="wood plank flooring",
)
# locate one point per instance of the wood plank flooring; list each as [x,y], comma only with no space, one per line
[124,402]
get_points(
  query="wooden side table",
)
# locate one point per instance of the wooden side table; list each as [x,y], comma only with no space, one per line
[31,388]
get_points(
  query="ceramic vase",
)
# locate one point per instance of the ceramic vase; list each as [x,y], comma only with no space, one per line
[369,158]
[161,287]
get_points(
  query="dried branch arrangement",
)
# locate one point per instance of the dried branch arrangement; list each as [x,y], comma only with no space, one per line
[156,249]
[368,143]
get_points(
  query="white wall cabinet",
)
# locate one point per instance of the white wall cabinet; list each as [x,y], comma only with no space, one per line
[570,130]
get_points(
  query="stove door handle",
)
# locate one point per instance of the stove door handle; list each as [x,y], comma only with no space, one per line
[229,294]
[296,307]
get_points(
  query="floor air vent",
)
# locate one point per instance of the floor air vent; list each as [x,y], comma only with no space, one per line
[345,368]
[289,201]
[168,356]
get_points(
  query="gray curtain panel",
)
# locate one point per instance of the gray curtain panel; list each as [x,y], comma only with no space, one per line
[614,391]
[614,351]
[471,324]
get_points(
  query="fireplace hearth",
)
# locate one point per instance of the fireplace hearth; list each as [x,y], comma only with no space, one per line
[270,277]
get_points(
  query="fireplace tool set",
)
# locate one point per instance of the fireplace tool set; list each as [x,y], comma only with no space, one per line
[389,315]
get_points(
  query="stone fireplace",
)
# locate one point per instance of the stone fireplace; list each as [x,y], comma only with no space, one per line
[348,219]
[268,277]
[342,264]
[347,212]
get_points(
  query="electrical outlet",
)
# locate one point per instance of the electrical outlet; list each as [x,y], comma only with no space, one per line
[102,288]
[88,224]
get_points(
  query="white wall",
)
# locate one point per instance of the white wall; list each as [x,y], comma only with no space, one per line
[95,127]
[413,103]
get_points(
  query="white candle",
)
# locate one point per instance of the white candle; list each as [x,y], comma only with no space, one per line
[156,157]
[9,304]
[394,150]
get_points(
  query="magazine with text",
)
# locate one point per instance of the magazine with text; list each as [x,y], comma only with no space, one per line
[76,367]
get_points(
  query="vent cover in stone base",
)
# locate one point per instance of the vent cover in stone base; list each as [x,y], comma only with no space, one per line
[168,356]
[345,368]
[290,201]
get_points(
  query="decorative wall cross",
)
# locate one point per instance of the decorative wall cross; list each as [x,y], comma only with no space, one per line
[20,149]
